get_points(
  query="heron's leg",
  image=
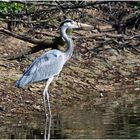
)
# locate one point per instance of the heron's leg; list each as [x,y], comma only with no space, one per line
[49,114]
[46,96]
[48,103]
[44,100]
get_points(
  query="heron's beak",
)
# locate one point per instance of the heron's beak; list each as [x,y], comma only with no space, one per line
[84,26]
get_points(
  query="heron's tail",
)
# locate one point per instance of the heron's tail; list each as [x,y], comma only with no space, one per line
[18,84]
[24,80]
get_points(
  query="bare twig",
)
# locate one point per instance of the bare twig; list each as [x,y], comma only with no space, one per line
[22,37]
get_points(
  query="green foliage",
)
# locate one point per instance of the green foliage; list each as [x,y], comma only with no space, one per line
[46,1]
[16,7]
[13,7]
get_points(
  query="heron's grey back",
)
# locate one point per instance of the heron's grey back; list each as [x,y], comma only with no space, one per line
[44,67]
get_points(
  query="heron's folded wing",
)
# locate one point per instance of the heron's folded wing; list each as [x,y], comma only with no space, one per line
[49,65]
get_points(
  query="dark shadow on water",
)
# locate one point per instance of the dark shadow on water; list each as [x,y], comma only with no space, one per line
[114,120]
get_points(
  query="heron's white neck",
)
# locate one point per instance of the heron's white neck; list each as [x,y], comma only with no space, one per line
[68,40]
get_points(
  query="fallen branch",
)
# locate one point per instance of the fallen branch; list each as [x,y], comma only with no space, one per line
[107,36]
[21,37]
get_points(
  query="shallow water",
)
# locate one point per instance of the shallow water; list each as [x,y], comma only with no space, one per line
[116,119]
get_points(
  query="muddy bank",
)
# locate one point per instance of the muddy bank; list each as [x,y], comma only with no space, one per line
[84,77]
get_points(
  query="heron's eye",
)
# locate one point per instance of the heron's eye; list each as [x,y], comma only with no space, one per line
[68,24]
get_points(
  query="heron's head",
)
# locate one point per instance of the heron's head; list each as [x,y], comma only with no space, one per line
[70,24]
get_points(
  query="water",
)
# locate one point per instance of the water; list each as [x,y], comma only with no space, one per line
[117,118]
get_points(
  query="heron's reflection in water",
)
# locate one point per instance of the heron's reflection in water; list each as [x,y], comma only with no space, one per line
[47,128]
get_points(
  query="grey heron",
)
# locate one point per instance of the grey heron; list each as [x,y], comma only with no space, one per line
[50,63]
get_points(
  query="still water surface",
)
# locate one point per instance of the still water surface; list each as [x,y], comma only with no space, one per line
[117,119]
